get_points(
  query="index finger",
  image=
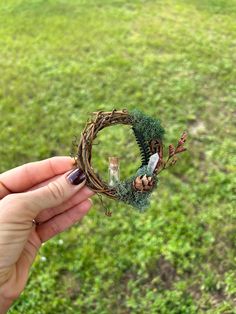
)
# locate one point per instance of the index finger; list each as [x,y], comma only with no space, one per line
[24,177]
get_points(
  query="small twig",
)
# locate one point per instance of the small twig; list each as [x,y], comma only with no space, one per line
[172,152]
[106,210]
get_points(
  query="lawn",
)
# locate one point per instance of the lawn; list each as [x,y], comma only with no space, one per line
[61,60]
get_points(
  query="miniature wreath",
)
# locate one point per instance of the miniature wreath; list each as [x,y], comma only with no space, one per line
[135,190]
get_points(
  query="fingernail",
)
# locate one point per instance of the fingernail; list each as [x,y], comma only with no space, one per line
[76,176]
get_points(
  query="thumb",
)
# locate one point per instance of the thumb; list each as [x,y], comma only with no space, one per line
[26,206]
[56,192]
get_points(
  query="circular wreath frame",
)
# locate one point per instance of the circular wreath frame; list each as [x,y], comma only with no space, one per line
[101,121]
[149,134]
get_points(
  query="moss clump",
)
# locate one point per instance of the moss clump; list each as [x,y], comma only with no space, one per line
[127,194]
[149,127]
[145,129]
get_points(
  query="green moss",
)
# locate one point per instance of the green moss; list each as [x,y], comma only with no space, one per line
[145,129]
[149,127]
[128,195]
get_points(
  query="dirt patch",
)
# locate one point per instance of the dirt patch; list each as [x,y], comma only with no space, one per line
[165,271]
[71,284]
[197,128]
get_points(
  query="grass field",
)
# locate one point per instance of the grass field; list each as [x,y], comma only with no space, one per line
[174,59]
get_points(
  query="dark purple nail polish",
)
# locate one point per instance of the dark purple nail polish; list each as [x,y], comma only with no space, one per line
[76,176]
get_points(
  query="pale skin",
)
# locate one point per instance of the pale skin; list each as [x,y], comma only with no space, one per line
[37,191]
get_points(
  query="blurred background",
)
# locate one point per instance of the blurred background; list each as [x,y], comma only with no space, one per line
[60,60]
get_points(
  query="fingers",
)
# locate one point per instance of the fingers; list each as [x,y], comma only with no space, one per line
[24,177]
[63,221]
[23,207]
[79,197]
[43,183]
[56,192]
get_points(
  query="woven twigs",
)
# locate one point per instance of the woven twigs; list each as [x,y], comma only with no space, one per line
[100,121]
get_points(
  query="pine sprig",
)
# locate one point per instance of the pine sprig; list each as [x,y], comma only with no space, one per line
[143,146]
[173,151]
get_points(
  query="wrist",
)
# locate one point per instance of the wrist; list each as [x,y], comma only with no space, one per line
[4,304]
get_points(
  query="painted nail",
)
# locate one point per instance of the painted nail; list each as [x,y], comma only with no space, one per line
[76,176]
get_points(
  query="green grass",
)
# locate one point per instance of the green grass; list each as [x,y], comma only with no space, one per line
[175,60]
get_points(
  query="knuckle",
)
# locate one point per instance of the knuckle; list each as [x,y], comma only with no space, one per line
[56,190]
[89,202]
[12,295]
[16,208]
[9,198]
[55,227]
[87,205]
[14,199]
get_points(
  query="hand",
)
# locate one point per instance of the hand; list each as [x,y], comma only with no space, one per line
[37,201]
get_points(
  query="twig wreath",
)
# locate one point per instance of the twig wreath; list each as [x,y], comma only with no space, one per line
[135,190]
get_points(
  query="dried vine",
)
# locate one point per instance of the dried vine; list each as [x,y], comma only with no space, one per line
[100,121]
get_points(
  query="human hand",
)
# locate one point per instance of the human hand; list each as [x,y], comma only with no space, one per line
[40,192]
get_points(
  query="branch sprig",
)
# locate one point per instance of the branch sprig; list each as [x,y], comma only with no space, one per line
[173,151]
